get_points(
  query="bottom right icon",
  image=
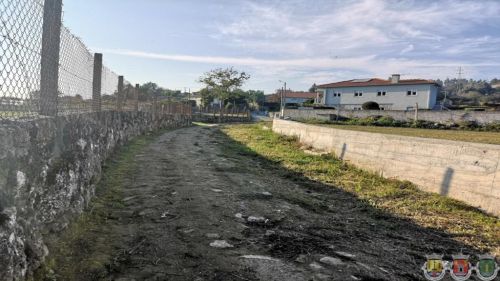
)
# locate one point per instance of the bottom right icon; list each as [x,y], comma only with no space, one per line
[460,269]
[486,268]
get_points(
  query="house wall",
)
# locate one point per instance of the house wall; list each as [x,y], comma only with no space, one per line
[469,172]
[395,98]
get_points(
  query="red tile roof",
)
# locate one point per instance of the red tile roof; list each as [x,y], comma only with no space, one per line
[375,82]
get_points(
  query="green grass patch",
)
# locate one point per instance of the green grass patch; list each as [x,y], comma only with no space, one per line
[455,135]
[86,249]
[401,198]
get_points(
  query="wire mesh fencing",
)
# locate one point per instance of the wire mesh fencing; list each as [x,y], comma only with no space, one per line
[76,65]
[45,70]
[20,58]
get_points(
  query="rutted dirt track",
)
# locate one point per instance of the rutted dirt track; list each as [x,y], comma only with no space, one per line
[190,191]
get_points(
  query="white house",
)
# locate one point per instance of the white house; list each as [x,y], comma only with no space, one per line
[392,94]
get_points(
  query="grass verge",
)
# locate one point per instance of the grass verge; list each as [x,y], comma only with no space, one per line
[401,198]
[455,135]
[73,251]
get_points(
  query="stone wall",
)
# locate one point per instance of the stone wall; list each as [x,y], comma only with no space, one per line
[48,171]
[465,171]
[454,116]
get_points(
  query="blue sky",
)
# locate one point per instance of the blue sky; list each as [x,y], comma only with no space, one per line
[173,42]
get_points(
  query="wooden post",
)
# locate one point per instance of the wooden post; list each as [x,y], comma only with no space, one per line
[96,83]
[49,63]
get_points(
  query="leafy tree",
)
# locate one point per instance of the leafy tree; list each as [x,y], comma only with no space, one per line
[207,96]
[313,88]
[255,98]
[148,90]
[223,83]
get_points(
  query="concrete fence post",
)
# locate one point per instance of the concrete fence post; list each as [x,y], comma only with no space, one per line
[49,63]
[97,83]
[416,112]
[119,97]
[136,102]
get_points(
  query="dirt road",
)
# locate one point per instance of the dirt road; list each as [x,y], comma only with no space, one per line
[197,209]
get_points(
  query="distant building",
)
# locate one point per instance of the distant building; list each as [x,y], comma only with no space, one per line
[196,97]
[391,94]
[292,98]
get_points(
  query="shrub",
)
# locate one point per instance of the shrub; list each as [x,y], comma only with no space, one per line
[386,121]
[467,125]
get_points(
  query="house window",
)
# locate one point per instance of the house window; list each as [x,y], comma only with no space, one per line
[414,93]
[383,93]
[338,94]
[334,94]
[358,94]
[379,94]
[411,93]
[408,93]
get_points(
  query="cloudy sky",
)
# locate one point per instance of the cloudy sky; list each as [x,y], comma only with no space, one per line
[172,42]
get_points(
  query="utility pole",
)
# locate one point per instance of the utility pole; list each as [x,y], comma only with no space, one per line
[283,101]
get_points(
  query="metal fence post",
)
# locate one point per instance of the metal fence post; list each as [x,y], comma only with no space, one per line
[49,66]
[96,83]
[119,97]
[136,97]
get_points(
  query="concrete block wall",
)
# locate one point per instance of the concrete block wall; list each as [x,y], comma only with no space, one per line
[469,172]
[454,116]
[48,171]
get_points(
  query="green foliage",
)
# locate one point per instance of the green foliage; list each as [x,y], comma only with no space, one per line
[239,98]
[387,121]
[223,83]
[469,92]
[313,88]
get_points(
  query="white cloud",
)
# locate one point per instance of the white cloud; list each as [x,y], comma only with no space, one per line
[363,63]
[353,27]
[327,40]
[407,49]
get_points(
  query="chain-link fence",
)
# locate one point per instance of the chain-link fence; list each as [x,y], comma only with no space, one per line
[20,58]
[45,70]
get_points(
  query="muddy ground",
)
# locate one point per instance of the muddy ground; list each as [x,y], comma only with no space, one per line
[191,191]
